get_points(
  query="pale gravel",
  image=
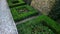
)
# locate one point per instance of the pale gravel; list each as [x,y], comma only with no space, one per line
[7,25]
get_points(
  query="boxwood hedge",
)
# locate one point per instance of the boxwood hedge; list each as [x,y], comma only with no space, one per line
[13,3]
[34,26]
[22,12]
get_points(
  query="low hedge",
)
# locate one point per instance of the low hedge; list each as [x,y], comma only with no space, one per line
[26,27]
[23,15]
[13,3]
[51,23]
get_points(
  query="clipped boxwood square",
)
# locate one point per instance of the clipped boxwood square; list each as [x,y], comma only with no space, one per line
[34,27]
[23,12]
[13,3]
[39,25]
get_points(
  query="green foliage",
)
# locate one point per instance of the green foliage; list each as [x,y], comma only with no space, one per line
[36,26]
[13,3]
[41,24]
[52,23]
[22,12]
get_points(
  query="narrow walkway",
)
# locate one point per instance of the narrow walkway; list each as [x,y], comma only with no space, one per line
[26,19]
[7,25]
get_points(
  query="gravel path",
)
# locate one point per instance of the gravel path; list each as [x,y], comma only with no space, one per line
[7,25]
[27,19]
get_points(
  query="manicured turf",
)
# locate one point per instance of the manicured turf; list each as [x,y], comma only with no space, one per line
[22,12]
[35,26]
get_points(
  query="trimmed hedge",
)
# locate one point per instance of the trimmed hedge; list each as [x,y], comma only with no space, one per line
[26,27]
[23,14]
[13,3]
[52,23]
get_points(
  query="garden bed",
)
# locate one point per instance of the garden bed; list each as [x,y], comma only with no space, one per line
[39,25]
[14,3]
[23,12]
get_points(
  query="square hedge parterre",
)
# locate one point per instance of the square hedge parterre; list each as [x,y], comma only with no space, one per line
[22,12]
[34,26]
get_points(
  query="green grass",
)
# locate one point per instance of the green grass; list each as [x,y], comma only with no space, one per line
[26,27]
[17,15]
